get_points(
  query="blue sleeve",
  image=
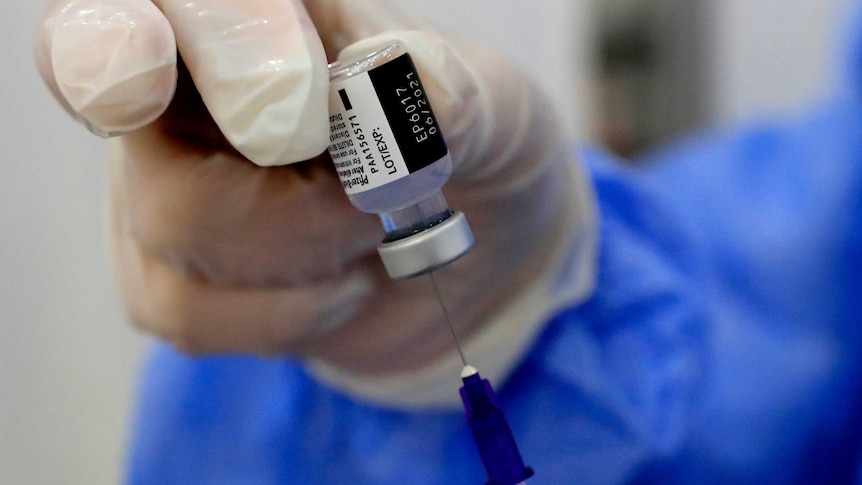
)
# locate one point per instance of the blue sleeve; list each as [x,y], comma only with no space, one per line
[771,223]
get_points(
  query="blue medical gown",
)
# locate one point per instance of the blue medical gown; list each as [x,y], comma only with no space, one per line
[722,345]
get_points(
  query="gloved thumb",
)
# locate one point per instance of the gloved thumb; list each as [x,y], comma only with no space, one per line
[491,115]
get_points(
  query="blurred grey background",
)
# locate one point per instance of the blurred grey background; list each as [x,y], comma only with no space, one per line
[627,73]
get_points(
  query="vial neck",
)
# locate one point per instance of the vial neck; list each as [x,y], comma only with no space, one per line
[422,215]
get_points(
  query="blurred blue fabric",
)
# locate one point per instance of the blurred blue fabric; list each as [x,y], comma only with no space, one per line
[722,344]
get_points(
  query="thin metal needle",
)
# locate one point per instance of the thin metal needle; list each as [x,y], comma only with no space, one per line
[448,319]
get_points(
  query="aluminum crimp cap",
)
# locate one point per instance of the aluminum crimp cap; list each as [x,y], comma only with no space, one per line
[428,250]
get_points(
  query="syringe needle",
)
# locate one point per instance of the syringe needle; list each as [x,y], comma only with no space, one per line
[448,319]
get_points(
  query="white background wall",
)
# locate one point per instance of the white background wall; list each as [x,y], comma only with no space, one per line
[773,55]
[67,358]
[549,38]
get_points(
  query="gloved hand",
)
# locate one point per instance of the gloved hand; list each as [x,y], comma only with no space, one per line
[217,254]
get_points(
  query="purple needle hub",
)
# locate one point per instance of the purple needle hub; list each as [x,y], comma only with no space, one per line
[491,432]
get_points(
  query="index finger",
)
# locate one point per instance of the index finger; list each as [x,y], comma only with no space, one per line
[110,64]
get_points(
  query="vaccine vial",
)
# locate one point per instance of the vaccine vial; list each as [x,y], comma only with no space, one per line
[392,160]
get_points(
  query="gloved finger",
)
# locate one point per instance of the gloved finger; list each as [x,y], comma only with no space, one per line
[200,318]
[261,70]
[252,311]
[111,64]
[213,214]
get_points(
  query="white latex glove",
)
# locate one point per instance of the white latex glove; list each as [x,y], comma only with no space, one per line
[219,255]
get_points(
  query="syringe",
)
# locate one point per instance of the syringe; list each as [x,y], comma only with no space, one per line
[392,160]
[491,432]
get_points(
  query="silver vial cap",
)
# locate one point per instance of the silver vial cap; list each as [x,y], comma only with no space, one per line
[428,250]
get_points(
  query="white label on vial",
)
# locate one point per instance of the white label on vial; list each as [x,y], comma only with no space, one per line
[381,127]
[362,145]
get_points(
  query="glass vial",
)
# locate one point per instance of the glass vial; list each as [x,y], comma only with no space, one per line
[392,160]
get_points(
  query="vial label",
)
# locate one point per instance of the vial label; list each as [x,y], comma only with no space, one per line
[381,126]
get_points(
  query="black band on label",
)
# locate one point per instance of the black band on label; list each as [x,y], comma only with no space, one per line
[345,100]
[408,112]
